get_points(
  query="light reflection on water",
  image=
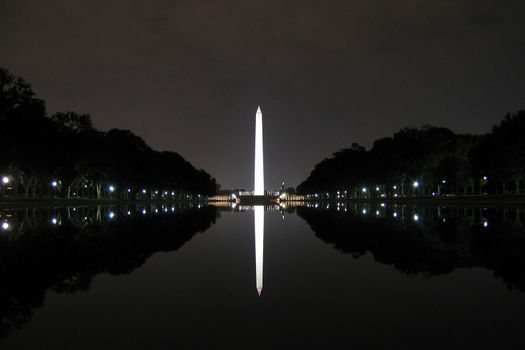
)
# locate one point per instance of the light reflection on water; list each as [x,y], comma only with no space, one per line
[63,249]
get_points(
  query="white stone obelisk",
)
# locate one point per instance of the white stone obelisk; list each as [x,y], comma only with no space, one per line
[259,166]
[259,246]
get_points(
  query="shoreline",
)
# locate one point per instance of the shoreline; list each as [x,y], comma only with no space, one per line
[77,202]
[487,200]
[452,200]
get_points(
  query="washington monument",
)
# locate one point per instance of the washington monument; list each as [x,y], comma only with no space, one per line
[259,209]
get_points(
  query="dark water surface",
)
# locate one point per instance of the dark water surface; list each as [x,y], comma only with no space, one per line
[363,276]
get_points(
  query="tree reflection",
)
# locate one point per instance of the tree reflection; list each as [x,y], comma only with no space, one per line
[439,241]
[65,258]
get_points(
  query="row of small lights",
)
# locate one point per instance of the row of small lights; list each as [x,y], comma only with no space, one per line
[364,211]
[111,215]
[415,185]
[112,189]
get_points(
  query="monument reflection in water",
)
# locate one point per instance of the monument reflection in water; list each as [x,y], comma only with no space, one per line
[259,245]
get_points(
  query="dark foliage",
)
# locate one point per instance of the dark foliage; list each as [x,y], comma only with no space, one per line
[36,149]
[438,159]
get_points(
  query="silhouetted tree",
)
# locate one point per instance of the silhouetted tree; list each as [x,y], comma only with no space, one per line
[435,159]
[65,148]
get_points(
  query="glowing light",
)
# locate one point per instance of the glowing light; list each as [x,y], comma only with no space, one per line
[143,211]
[111,215]
[259,246]
[416,217]
[377,212]
[444,181]
[395,214]
[129,190]
[5,180]
[54,184]
[143,191]
[259,158]
[383,205]
[416,184]
[129,213]
[394,187]
[111,188]
[5,225]
[485,224]
[485,178]
[54,221]
[377,189]
[363,189]
[364,211]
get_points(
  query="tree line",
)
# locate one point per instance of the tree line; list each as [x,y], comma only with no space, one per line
[63,154]
[427,161]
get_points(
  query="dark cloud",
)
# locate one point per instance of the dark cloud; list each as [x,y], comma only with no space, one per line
[188,75]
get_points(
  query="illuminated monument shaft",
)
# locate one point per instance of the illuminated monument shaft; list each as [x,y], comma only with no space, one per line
[259,166]
[259,191]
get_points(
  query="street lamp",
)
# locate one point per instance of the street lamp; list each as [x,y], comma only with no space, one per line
[54,183]
[5,180]
[416,184]
[111,188]
[482,182]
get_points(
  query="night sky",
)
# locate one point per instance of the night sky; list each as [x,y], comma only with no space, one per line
[187,76]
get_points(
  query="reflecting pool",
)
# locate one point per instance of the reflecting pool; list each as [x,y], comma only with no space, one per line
[321,276]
